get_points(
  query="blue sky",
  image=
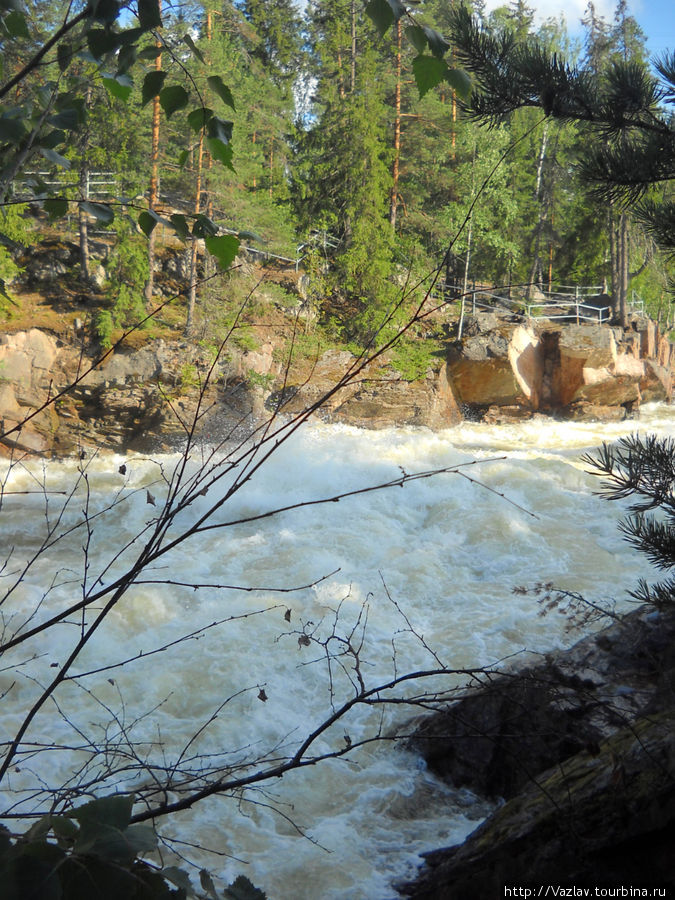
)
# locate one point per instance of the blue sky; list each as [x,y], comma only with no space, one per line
[656,17]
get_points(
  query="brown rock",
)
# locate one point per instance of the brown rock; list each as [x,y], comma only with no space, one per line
[593,412]
[618,391]
[627,364]
[665,352]
[649,337]
[656,384]
[582,347]
[27,438]
[380,404]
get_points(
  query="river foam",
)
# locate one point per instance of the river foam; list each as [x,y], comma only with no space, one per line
[440,556]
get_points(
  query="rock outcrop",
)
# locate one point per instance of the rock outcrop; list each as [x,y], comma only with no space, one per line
[577,371]
[504,369]
[376,398]
[140,399]
[582,746]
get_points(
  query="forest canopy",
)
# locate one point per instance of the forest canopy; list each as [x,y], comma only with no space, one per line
[344,129]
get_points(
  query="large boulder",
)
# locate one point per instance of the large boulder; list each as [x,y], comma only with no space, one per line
[27,361]
[498,368]
[497,737]
[582,746]
[605,816]
[583,350]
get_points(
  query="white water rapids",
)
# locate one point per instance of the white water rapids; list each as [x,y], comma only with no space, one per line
[449,552]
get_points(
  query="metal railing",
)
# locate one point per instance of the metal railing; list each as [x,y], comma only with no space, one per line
[97,184]
[578,311]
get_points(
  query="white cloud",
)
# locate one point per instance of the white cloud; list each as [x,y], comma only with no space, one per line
[572,10]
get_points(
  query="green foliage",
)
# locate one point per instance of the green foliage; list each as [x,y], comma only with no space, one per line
[258,379]
[127,270]
[189,377]
[643,468]
[60,95]
[428,70]
[92,851]
[13,226]
[242,889]
[105,328]
[631,145]
[13,223]
[8,272]
[412,357]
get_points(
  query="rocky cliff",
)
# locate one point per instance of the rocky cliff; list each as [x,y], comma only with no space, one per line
[142,398]
[143,395]
[582,748]
[581,371]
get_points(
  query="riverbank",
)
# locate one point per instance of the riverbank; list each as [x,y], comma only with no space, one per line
[142,398]
[581,746]
[143,392]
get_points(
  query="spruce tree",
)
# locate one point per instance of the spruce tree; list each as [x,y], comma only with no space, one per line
[629,131]
[343,183]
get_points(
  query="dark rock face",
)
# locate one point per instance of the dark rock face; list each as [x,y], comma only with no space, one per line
[582,746]
[587,822]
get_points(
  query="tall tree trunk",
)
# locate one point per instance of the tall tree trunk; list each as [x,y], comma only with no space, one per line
[467,258]
[393,205]
[613,262]
[536,269]
[83,218]
[623,269]
[271,187]
[192,294]
[353,49]
[194,256]
[153,198]
[341,83]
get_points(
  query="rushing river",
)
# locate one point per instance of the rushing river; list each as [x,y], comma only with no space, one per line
[433,564]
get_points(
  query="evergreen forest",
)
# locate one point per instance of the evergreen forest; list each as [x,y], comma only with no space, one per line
[334,137]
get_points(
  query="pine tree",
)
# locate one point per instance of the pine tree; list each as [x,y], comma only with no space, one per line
[344,181]
[631,137]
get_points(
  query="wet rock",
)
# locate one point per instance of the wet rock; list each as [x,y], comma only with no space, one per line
[605,816]
[582,746]
[497,737]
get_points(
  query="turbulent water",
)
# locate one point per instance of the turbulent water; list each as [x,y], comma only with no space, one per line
[419,570]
